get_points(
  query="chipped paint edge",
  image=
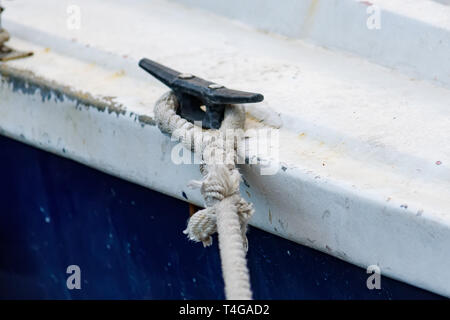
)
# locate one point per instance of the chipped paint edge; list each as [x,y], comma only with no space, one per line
[292,190]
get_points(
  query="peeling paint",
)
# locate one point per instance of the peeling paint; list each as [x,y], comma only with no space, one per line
[27,82]
[143,120]
[282,225]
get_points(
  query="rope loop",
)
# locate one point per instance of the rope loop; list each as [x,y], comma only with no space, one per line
[226,211]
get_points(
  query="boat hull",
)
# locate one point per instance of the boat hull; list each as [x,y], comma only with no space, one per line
[127,241]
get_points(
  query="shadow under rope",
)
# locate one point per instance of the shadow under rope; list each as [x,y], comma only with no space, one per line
[128,242]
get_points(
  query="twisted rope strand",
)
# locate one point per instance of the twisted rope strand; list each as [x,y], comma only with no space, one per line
[226,211]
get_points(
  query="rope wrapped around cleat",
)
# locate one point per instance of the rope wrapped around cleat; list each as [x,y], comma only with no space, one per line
[226,211]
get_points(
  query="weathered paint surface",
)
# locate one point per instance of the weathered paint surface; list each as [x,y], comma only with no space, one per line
[364,174]
[26,82]
[422,25]
[128,243]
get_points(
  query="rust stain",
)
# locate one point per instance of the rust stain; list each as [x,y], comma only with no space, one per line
[118,74]
[309,18]
[193,209]
[367,3]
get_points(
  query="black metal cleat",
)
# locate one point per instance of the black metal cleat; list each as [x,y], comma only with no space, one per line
[192,93]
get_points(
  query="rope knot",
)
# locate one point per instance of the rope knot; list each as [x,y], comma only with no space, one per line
[226,211]
[218,184]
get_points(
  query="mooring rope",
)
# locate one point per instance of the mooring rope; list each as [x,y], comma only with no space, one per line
[226,211]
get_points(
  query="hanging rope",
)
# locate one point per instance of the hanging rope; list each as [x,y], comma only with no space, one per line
[226,211]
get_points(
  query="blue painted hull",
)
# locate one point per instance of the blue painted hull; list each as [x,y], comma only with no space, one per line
[129,244]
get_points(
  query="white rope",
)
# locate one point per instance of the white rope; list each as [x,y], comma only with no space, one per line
[226,211]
